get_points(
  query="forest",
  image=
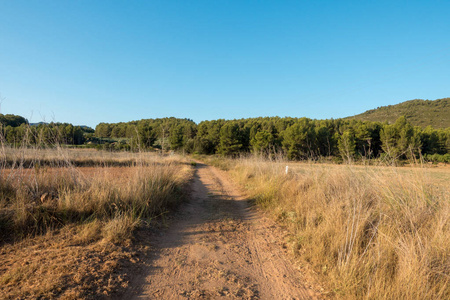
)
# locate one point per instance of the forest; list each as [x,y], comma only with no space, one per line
[297,138]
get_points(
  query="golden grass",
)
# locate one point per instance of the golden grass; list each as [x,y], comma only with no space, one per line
[71,213]
[370,232]
[37,157]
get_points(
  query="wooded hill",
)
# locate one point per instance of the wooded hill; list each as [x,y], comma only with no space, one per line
[423,113]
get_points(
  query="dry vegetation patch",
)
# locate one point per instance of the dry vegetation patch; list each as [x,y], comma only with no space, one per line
[67,231]
[370,232]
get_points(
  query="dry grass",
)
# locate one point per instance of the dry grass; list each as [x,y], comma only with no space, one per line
[64,230]
[370,232]
[35,156]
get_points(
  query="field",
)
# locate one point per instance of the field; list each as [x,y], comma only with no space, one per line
[67,217]
[83,224]
[370,232]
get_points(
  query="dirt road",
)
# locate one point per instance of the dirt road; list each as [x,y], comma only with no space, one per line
[219,248]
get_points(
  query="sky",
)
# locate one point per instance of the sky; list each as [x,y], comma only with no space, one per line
[86,62]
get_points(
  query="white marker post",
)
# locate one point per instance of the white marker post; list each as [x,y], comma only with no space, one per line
[287,169]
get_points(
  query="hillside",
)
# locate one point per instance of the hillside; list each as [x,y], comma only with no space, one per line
[419,112]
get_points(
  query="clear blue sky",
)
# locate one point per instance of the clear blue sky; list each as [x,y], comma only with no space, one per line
[87,62]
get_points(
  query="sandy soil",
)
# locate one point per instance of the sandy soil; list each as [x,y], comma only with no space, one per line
[218,247]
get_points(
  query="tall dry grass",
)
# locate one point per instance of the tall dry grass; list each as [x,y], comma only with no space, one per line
[371,232]
[65,230]
[29,156]
[42,189]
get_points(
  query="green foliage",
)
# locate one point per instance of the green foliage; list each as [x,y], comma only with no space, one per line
[299,140]
[418,112]
[347,146]
[325,141]
[45,134]
[103,130]
[438,158]
[146,134]
[166,133]
[400,140]
[208,136]
[230,142]
[12,120]
[262,141]
[176,137]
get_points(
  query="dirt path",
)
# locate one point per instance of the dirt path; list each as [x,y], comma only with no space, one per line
[219,248]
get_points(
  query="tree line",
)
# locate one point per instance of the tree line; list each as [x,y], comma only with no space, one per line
[12,120]
[297,138]
[165,133]
[18,132]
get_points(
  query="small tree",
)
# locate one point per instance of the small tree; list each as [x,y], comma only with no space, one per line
[347,146]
